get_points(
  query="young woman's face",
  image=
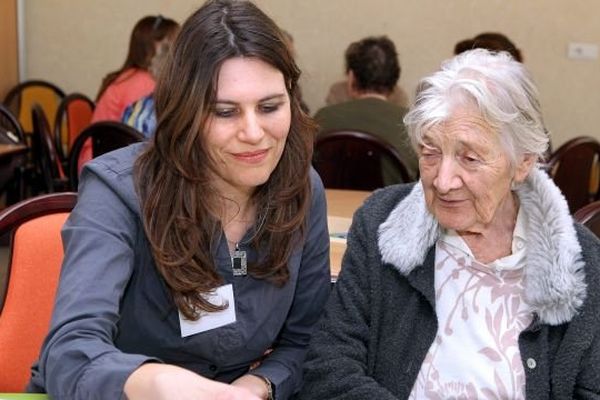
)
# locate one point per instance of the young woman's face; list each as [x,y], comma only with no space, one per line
[248,124]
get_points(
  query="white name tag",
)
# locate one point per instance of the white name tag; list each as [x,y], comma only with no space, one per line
[208,321]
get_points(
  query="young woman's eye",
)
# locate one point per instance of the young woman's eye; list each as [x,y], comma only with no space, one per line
[224,112]
[269,107]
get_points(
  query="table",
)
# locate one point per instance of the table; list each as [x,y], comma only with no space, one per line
[341,205]
[23,396]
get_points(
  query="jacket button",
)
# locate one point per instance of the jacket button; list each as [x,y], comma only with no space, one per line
[531,364]
[213,367]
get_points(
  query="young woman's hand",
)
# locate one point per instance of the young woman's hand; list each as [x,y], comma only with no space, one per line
[254,384]
[154,381]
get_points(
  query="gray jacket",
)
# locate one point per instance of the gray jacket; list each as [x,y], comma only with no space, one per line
[114,311]
[380,320]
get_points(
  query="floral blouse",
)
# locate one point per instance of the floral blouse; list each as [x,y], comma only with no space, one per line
[481,311]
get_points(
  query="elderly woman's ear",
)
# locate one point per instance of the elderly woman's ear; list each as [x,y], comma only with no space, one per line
[524,167]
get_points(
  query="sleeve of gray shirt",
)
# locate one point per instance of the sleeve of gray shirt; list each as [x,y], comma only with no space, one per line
[79,359]
[283,367]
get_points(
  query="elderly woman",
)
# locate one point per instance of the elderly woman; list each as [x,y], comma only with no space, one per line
[474,282]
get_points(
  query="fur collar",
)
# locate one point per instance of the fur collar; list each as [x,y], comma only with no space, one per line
[554,277]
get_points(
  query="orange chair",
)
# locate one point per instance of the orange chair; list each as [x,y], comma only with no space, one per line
[73,116]
[35,262]
[22,97]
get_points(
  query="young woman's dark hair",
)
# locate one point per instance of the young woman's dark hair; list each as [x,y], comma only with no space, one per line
[146,33]
[173,176]
[374,63]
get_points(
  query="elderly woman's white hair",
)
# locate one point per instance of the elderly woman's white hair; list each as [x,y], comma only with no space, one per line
[498,86]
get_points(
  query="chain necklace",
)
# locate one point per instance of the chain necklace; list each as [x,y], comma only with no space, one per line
[239,262]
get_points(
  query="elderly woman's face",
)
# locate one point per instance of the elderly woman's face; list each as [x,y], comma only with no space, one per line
[248,127]
[465,173]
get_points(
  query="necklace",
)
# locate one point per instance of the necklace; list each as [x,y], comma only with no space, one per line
[239,262]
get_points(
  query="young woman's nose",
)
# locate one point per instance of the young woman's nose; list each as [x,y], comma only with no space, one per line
[251,129]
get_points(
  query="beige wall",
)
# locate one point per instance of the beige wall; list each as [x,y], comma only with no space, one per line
[75,43]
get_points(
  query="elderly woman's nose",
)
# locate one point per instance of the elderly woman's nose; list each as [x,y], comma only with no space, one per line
[251,129]
[447,177]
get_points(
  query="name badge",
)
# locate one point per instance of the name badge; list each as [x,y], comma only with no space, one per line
[213,320]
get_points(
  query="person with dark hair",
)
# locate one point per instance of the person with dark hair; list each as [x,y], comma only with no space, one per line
[373,71]
[197,263]
[493,41]
[150,39]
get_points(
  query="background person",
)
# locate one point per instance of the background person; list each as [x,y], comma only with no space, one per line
[219,215]
[150,39]
[373,71]
[474,282]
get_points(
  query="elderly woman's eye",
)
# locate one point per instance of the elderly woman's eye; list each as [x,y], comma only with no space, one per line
[469,159]
[429,152]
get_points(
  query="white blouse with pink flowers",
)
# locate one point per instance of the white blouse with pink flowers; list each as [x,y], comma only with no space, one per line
[481,311]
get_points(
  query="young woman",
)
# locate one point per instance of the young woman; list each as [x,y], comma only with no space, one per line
[197,264]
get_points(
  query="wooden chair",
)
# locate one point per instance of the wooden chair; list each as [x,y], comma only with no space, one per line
[575,168]
[22,97]
[105,136]
[12,169]
[356,160]
[10,124]
[73,116]
[49,167]
[590,216]
[27,298]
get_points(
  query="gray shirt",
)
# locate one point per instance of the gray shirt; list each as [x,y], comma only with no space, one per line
[114,312]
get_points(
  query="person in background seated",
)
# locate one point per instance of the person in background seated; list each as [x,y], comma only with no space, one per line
[150,39]
[474,282]
[197,263]
[373,71]
[338,93]
[493,41]
[141,116]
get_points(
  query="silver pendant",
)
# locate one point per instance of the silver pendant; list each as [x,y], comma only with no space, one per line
[239,263]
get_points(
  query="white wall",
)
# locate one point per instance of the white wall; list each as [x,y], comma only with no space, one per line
[75,43]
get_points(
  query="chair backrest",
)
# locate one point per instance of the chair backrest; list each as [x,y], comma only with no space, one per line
[574,167]
[32,281]
[73,116]
[11,126]
[356,160]
[50,165]
[590,216]
[22,97]
[105,136]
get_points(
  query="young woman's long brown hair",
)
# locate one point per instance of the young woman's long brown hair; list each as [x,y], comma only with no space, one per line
[173,175]
[146,33]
